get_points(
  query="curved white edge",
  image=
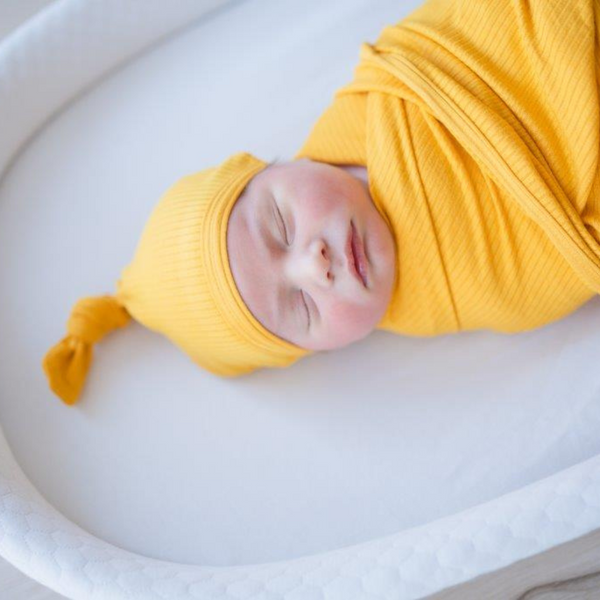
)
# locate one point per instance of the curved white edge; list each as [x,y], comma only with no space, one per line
[68,46]
[41,542]
[64,49]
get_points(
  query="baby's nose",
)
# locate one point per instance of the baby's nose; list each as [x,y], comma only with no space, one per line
[310,266]
[320,262]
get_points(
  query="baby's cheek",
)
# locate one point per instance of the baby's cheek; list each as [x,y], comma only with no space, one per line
[319,209]
[348,322]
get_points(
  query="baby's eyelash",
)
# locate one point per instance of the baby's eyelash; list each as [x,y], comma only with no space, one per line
[278,214]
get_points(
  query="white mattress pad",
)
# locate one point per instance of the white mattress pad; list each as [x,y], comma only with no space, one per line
[167,460]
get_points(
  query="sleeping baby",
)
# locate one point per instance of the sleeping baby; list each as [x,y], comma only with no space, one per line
[452,185]
[310,254]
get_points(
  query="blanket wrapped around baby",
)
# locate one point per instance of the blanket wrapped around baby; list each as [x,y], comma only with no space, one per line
[478,123]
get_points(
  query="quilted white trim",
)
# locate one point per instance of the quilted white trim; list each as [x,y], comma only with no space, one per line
[87,39]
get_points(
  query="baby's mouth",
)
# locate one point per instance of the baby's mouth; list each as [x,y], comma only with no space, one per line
[357,262]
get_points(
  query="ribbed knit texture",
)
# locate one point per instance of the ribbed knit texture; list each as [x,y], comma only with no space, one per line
[179,284]
[478,123]
[67,363]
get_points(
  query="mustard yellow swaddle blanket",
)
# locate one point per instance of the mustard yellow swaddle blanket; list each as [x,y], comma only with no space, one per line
[478,122]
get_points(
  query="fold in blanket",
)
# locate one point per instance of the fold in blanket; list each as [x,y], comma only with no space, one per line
[478,123]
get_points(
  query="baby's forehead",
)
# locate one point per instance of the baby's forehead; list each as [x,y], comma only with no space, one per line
[278,175]
[249,192]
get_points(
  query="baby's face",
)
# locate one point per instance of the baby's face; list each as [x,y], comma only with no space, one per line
[287,240]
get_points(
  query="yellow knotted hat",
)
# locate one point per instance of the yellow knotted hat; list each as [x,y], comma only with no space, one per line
[179,284]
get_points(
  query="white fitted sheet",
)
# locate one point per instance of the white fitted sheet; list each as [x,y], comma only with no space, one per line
[342,447]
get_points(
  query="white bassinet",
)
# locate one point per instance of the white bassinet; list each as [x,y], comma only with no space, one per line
[391,469]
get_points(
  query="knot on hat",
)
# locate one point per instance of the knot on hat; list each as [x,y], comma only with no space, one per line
[93,317]
[66,364]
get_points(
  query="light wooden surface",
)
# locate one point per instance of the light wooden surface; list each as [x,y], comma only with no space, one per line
[556,574]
